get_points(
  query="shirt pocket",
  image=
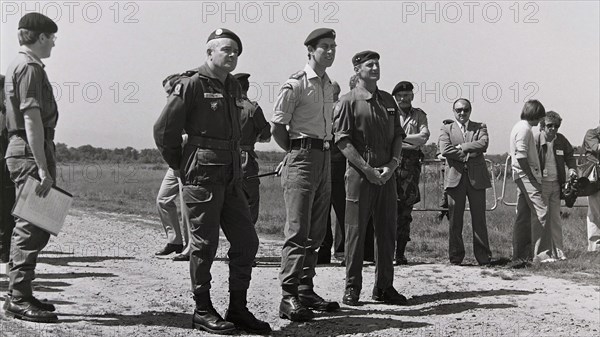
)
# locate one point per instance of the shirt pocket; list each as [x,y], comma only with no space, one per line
[18,147]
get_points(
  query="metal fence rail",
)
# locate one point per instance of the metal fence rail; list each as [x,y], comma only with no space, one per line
[438,173]
[507,165]
[426,176]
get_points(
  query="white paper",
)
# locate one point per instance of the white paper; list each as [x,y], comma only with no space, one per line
[47,213]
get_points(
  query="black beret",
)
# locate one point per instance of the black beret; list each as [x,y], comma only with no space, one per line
[319,33]
[402,86]
[364,56]
[223,32]
[38,23]
[241,76]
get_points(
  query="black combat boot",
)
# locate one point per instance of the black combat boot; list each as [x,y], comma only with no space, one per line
[243,319]
[207,318]
[400,248]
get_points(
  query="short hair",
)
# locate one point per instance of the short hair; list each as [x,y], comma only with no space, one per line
[462,99]
[353,81]
[27,37]
[533,110]
[552,116]
[216,43]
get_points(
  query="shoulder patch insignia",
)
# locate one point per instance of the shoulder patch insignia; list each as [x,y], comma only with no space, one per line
[177,89]
[391,111]
[298,75]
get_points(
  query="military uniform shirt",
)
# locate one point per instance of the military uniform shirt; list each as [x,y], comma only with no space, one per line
[414,122]
[371,122]
[27,87]
[202,106]
[254,125]
[305,104]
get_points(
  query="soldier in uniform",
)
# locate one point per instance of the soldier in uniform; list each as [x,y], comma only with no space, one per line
[301,120]
[31,114]
[338,200]
[369,134]
[414,123]
[255,128]
[207,105]
[7,187]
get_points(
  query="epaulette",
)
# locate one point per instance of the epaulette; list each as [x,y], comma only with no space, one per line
[419,109]
[298,75]
[483,125]
[448,121]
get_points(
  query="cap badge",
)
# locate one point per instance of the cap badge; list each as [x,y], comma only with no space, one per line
[218,32]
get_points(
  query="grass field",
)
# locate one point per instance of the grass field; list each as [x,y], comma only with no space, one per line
[132,189]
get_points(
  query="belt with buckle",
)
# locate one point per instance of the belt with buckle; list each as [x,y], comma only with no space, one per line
[213,143]
[310,143]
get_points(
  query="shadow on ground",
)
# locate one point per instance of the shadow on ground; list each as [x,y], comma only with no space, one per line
[341,325]
[457,295]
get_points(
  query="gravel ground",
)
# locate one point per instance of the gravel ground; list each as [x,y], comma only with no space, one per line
[102,275]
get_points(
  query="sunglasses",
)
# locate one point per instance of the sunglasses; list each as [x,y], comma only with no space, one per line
[459,110]
[551,125]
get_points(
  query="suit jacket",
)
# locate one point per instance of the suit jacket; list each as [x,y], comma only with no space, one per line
[470,159]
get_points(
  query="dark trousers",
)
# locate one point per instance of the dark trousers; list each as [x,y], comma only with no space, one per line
[338,205]
[306,181]
[7,195]
[28,240]
[407,184]
[220,204]
[363,201]
[251,187]
[456,208]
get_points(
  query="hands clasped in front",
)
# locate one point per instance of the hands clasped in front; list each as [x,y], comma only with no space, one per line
[379,175]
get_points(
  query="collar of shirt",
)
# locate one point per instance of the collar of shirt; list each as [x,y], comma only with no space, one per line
[310,74]
[26,51]
[204,70]
[406,114]
[466,126]
[362,93]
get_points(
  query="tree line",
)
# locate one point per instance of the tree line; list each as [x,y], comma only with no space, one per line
[89,153]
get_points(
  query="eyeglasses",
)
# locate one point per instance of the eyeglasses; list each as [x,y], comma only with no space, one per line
[551,125]
[51,37]
[459,110]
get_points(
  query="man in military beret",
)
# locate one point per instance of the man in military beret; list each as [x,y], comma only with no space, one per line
[7,187]
[368,132]
[31,114]
[255,128]
[205,104]
[414,123]
[463,144]
[302,126]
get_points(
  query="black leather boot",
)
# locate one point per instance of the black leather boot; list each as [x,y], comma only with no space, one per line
[243,319]
[23,308]
[207,318]
[400,248]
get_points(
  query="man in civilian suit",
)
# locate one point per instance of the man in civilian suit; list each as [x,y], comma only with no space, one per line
[463,144]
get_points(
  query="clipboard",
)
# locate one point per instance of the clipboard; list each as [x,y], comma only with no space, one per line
[47,213]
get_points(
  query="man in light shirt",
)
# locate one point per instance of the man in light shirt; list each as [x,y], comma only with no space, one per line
[530,239]
[554,151]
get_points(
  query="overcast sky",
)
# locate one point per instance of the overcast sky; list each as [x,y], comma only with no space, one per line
[111,57]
